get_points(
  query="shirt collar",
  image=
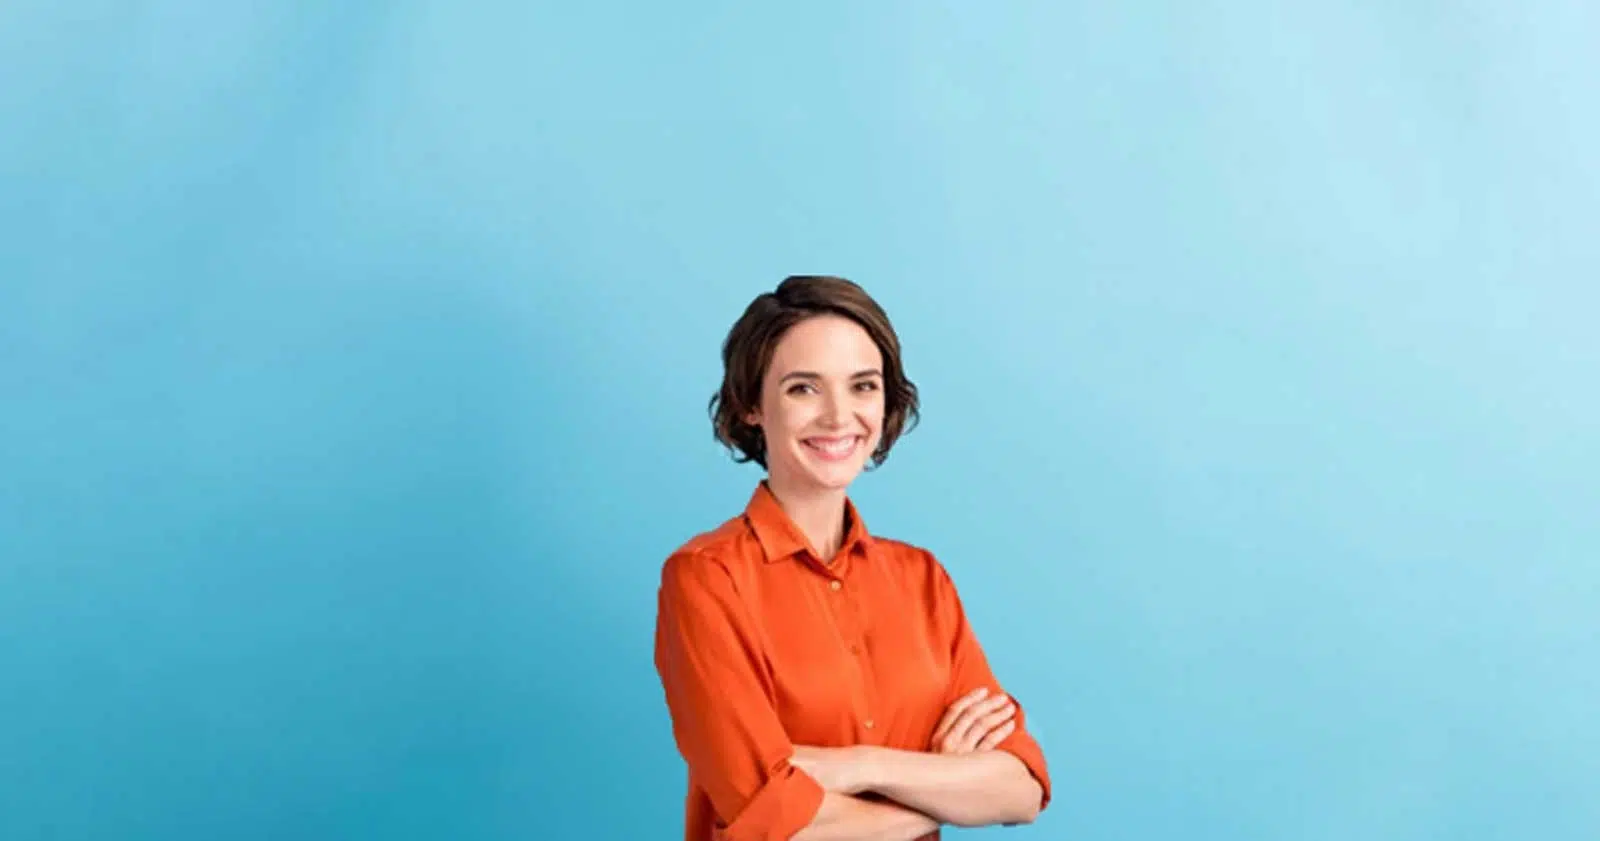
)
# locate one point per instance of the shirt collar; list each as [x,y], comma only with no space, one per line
[780,538]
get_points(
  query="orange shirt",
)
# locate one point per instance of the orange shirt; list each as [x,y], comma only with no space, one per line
[761,647]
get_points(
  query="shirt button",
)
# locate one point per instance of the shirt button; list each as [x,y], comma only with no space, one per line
[855,649]
[867,724]
[835,584]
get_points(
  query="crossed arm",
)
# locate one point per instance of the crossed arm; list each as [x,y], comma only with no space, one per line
[960,781]
[980,768]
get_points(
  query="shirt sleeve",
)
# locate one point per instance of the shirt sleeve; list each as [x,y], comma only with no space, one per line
[719,698]
[969,670]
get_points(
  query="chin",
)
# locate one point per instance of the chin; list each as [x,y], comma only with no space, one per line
[833,480]
[833,476]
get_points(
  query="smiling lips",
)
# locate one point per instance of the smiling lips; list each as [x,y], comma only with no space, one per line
[833,449]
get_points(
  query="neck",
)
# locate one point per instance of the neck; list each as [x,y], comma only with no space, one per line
[818,513]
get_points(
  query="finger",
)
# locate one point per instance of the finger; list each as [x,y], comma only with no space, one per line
[975,713]
[966,730]
[971,724]
[954,712]
[997,735]
[960,704]
[994,719]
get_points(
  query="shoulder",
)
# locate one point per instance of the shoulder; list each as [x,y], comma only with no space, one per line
[913,561]
[903,553]
[718,553]
[926,581]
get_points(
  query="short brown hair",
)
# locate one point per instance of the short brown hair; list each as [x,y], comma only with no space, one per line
[748,349]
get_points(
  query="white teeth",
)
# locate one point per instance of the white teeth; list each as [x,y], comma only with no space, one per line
[835,448]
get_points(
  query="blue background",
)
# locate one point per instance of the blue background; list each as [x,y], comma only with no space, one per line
[355,358]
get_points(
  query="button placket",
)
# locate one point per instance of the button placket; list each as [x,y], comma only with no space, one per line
[849,613]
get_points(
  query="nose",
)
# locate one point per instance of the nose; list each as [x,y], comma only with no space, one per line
[834,410]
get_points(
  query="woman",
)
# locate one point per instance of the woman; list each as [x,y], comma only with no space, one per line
[822,681]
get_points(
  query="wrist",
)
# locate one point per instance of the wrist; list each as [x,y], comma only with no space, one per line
[873,765]
[863,764]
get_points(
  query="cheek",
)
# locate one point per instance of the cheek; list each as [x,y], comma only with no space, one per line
[784,417]
[874,420]
[876,412]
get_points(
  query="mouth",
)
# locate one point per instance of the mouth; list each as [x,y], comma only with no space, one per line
[839,448]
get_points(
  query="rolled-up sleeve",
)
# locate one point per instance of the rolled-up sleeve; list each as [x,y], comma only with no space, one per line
[969,670]
[718,695]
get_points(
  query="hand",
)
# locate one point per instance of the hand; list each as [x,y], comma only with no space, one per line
[839,770]
[975,722]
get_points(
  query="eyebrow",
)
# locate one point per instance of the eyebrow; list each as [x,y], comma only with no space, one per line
[813,375]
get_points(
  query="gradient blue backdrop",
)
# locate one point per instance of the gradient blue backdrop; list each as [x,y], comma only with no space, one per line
[355,357]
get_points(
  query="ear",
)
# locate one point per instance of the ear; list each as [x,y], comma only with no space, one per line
[753,417]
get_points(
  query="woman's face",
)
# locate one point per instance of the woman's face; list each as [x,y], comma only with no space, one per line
[821,404]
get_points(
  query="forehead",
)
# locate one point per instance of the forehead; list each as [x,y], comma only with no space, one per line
[826,344]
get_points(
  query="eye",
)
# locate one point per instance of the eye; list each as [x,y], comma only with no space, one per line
[801,388]
[867,385]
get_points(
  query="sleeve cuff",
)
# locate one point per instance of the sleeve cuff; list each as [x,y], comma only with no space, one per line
[1023,747]
[783,807]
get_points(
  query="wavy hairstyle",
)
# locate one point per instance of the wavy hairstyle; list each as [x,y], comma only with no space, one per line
[747,353]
